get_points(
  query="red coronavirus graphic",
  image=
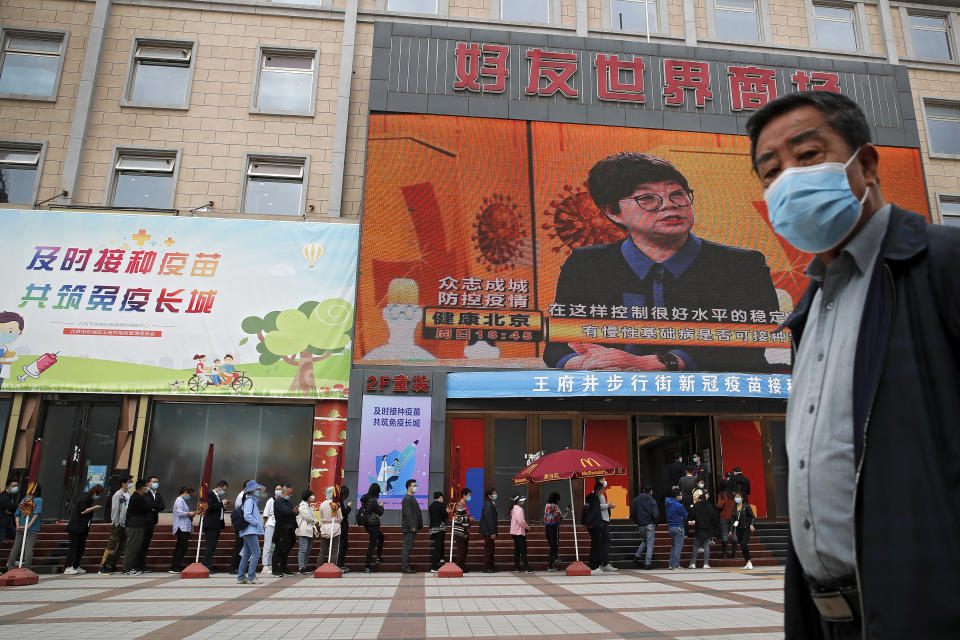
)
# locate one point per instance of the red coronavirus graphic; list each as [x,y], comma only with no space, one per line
[574,220]
[501,234]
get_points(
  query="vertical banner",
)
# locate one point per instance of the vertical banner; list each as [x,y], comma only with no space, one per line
[395,446]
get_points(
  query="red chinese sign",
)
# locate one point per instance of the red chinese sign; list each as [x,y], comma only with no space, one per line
[399,383]
[478,61]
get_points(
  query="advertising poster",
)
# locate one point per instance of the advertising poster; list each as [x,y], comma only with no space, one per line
[484,246]
[395,446]
[97,302]
[96,474]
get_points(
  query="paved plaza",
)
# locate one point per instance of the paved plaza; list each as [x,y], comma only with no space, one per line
[689,604]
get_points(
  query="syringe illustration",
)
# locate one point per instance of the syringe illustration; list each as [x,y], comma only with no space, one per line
[38,366]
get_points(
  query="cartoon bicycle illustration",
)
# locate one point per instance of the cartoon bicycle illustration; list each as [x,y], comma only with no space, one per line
[218,376]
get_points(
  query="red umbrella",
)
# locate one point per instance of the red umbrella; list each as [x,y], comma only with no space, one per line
[566,465]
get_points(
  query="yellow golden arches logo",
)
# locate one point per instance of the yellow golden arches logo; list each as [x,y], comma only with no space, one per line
[589,462]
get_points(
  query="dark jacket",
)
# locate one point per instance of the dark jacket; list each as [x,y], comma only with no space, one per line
[138,512]
[740,483]
[905,381]
[644,510]
[156,505]
[592,512]
[411,518]
[706,518]
[8,505]
[674,472]
[438,513]
[283,513]
[488,518]
[79,521]
[372,510]
[345,514]
[600,275]
[743,516]
[213,519]
[687,485]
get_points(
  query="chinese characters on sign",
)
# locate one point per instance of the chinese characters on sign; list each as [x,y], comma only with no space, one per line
[484,67]
[399,383]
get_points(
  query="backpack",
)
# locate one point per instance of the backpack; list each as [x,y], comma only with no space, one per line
[236,516]
[362,514]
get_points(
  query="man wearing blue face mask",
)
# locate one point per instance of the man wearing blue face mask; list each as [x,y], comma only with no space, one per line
[214,521]
[874,383]
[156,504]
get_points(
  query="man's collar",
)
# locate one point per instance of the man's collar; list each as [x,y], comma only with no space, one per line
[676,264]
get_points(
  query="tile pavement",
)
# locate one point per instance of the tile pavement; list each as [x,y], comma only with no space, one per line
[687,604]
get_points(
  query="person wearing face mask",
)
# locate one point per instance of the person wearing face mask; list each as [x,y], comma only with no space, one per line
[269,526]
[284,535]
[411,518]
[687,484]
[874,386]
[605,508]
[306,532]
[214,520]
[706,526]
[182,527]
[79,527]
[247,571]
[697,463]
[592,518]
[346,506]
[237,540]
[518,531]
[461,528]
[330,527]
[741,525]
[8,505]
[137,519]
[368,517]
[118,529]
[11,326]
[156,504]
[488,530]
[660,263]
[438,529]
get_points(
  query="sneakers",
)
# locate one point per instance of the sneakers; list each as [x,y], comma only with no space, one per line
[596,572]
[81,570]
[552,570]
[105,572]
[748,566]
[277,575]
[173,572]
[254,581]
[242,581]
[706,566]
[673,568]
[304,572]
[692,566]
[433,570]
[609,568]
[367,570]
[70,571]
[345,569]
[132,572]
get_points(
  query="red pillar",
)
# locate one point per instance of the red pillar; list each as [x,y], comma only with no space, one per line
[329,439]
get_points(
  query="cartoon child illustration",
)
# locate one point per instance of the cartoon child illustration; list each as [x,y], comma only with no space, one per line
[227,372]
[201,364]
[215,374]
[11,326]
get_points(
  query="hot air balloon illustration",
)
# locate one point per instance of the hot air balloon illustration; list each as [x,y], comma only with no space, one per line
[312,252]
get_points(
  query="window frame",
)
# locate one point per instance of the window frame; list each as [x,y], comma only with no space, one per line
[139,41]
[663,18]
[279,158]
[265,50]
[38,146]
[764,30]
[553,13]
[443,9]
[120,151]
[858,17]
[950,197]
[37,34]
[951,25]
[943,102]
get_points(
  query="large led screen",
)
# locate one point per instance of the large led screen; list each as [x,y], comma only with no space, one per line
[482,246]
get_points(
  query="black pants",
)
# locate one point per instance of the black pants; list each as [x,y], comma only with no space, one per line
[436,549]
[489,547]
[520,554]
[179,550]
[596,547]
[460,551]
[211,538]
[78,542]
[374,543]
[553,539]
[131,548]
[237,548]
[344,544]
[144,547]
[283,540]
[409,537]
[743,537]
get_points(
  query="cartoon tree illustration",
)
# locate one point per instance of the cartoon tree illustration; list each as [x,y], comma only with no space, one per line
[312,332]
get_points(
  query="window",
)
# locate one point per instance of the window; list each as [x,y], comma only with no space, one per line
[275,185]
[943,127]
[31,64]
[160,74]
[737,20]
[143,178]
[286,82]
[834,26]
[20,172]
[413,6]
[633,15]
[525,11]
[950,210]
[929,36]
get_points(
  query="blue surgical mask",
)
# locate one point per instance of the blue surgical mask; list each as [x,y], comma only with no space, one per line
[813,207]
[278,493]
[7,338]
[14,490]
[186,497]
[738,499]
[155,486]
[493,497]
[469,498]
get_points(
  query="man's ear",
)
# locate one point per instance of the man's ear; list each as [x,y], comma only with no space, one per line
[869,160]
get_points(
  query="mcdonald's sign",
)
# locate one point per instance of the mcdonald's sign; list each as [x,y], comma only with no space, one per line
[589,462]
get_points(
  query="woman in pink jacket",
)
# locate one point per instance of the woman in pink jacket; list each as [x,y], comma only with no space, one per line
[518,529]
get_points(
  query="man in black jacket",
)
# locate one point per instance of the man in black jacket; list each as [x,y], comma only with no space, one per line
[660,268]
[740,483]
[283,535]
[438,530]
[878,352]
[592,519]
[645,513]
[155,501]
[138,519]
[411,520]
[214,522]
[706,525]
[8,506]
[675,472]
[488,529]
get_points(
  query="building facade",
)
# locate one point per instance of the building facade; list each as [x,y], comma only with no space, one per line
[463,116]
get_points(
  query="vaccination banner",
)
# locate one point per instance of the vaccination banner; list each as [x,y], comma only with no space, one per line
[102,302]
[395,446]
[487,243]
